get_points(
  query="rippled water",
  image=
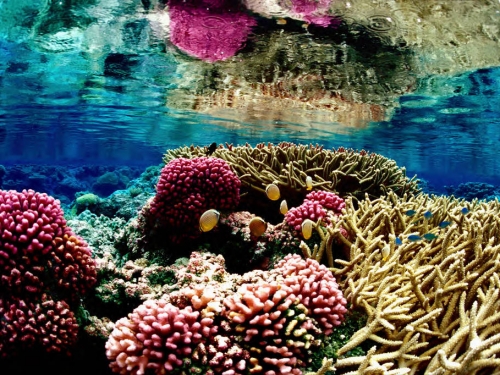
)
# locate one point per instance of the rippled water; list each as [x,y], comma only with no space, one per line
[99,82]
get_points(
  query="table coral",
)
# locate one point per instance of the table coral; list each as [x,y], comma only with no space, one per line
[342,171]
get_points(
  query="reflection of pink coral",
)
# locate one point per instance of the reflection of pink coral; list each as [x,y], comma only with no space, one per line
[315,12]
[189,187]
[157,336]
[315,207]
[25,324]
[316,288]
[211,31]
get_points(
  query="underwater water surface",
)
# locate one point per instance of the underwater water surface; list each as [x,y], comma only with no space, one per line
[97,83]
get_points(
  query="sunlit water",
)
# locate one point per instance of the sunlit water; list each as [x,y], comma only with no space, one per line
[61,107]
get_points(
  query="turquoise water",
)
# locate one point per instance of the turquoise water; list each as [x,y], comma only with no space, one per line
[65,101]
[447,139]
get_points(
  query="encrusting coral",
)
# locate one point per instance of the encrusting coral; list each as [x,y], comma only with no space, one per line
[343,171]
[425,271]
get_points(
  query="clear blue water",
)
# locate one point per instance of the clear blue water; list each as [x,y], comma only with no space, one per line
[60,107]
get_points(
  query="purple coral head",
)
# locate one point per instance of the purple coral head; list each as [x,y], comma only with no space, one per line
[37,249]
[315,207]
[189,187]
[213,30]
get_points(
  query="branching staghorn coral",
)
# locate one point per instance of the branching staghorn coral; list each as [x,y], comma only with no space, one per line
[426,271]
[342,171]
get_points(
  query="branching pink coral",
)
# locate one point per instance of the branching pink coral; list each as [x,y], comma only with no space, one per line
[44,267]
[25,324]
[36,247]
[157,336]
[315,206]
[189,187]
[316,288]
[261,322]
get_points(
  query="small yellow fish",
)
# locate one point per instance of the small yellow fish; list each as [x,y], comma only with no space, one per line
[257,226]
[208,220]
[309,183]
[273,192]
[281,21]
[307,228]
[283,207]
[386,251]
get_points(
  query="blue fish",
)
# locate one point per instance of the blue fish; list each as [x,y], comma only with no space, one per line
[444,224]
[398,241]
[430,236]
[427,215]
[414,238]
[410,213]
[464,210]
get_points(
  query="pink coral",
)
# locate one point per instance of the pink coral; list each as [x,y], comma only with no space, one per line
[40,259]
[210,30]
[328,200]
[316,288]
[25,324]
[157,336]
[260,322]
[37,248]
[315,207]
[189,187]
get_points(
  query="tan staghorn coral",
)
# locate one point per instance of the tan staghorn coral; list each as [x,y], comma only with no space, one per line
[343,171]
[432,299]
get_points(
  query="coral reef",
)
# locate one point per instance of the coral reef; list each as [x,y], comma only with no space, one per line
[343,171]
[260,322]
[61,182]
[425,271]
[44,271]
[473,190]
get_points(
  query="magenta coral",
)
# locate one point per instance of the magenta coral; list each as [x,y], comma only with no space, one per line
[328,200]
[24,324]
[36,247]
[316,288]
[315,206]
[209,30]
[44,267]
[157,336]
[189,187]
